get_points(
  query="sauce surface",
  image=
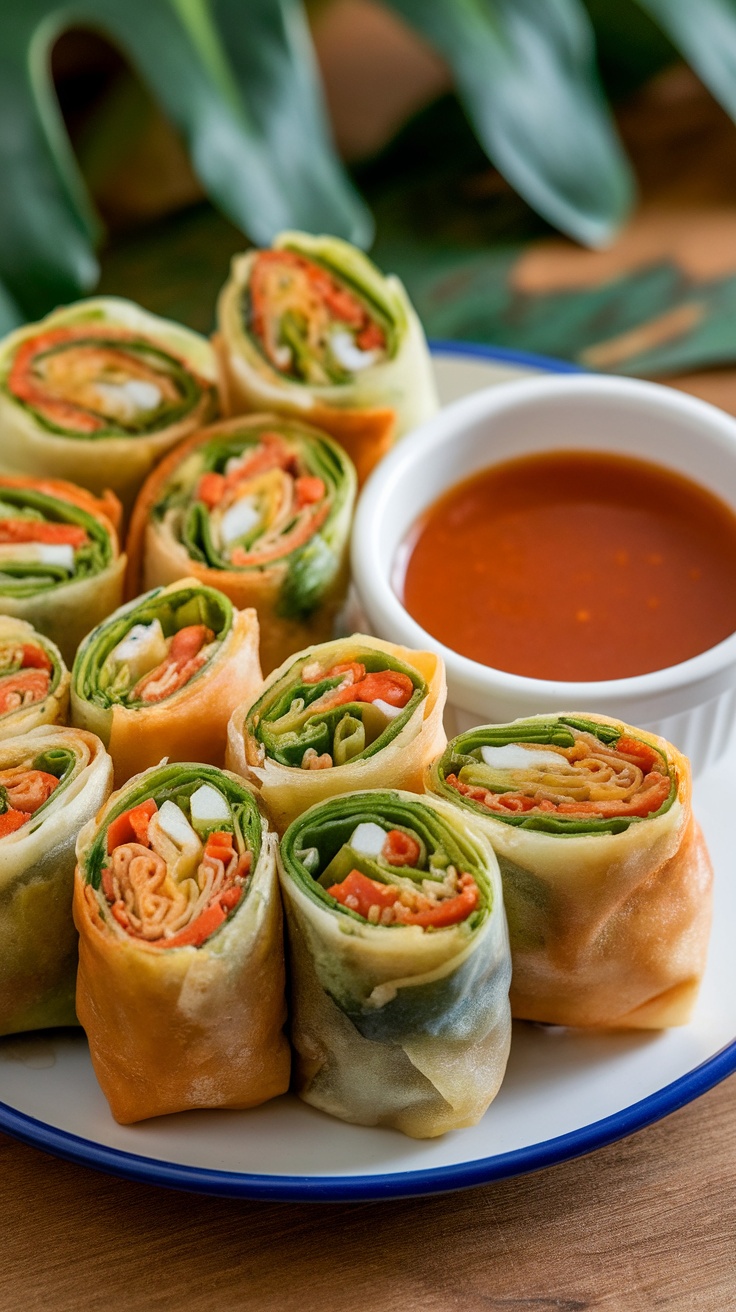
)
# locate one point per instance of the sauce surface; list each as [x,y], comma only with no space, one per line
[574,566]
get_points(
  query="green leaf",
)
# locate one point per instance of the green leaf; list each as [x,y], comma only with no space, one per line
[233,117]
[271,53]
[705,32]
[525,71]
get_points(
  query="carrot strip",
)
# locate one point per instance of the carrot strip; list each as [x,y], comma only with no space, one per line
[131,826]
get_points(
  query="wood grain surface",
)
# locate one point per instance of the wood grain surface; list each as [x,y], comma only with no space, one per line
[648,1223]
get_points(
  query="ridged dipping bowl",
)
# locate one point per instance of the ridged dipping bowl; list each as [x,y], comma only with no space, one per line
[693,704]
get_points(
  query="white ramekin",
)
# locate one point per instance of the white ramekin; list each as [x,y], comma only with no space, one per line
[693,704]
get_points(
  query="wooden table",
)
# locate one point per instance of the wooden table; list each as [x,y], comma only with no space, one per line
[648,1223]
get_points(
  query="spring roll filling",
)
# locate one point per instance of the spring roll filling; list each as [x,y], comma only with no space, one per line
[155,649]
[26,788]
[173,868]
[101,381]
[311,323]
[325,713]
[45,541]
[566,775]
[248,502]
[28,674]
[385,870]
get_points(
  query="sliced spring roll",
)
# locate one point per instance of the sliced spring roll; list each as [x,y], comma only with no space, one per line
[260,508]
[355,713]
[400,962]
[98,391]
[34,681]
[163,674]
[311,328]
[181,959]
[60,563]
[607,879]
[52,781]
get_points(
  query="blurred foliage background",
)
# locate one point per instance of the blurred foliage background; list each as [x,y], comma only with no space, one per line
[155,136]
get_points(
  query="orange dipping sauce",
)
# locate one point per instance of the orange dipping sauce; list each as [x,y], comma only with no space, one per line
[574,566]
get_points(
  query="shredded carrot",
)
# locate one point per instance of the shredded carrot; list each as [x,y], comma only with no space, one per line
[400,849]
[35,658]
[211,489]
[39,530]
[12,820]
[131,826]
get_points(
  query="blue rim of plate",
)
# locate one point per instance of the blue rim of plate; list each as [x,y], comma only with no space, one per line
[400,1184]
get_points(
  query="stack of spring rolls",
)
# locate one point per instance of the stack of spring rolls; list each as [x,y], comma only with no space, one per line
[549,869]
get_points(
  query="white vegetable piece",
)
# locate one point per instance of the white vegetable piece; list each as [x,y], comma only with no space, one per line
[60,554]
[175,824]
[239,519]
[207,804]
[515,757]
[129,399]
[387,709]
[142,649]
[368,839]
[348,354]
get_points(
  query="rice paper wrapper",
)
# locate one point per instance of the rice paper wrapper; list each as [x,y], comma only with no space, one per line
[108,458]
[413,742]
[38,941]
[607,929]
[394,1025]
[365,415]
[296,589]
[185,1027]
[192,722]
[50,709]
[66,610]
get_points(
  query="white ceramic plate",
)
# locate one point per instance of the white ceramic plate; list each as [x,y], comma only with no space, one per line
[564,1093]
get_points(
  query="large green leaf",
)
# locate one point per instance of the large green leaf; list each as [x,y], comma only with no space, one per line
[270,49]
[526,74]
[705,32]
[47,227]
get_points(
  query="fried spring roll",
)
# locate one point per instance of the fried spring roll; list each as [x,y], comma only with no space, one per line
[98,391]
[607,879]
[351,714]
[163,674]
[34,681]
[312,329]
[261,509]
[52,781]
[181,962]
[400,962]
[60,564]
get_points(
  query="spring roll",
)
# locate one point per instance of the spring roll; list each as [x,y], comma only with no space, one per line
[260,508]
[351,714]
[312,329]
[52,781]
[606,876]
[60,563]
[400,962]
[98,391]
[181,960]
[34,681]
[163,674]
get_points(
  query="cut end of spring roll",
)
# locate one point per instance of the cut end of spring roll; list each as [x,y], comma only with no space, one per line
[312,328]
[181,969]
[260,508]
[99,390]
[400,963]
[52,781]
[345,715]
[34,681]
[161,676]
[60,564]
[607,880]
